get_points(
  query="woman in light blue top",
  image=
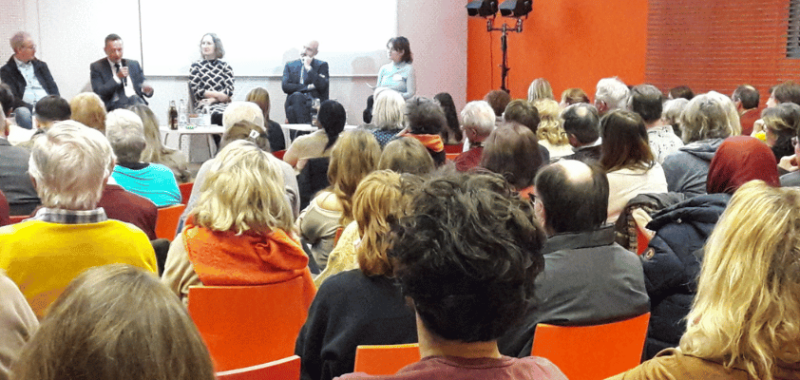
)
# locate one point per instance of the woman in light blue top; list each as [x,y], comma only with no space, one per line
[398,75]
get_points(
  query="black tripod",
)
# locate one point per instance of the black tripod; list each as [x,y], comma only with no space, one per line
[504,46]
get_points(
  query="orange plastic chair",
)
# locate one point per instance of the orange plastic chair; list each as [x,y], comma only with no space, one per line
[167,221]
[279,154]
[186,192]
[592,352]
[452,156]
[458,148]
[284,369]
[245,326]
[385,360]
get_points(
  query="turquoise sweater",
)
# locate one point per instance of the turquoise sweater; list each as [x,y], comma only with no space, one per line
[154,182]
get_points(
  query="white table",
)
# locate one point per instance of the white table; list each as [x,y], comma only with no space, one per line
[197,144]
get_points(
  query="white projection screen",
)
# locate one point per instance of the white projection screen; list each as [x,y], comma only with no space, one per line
[261,36]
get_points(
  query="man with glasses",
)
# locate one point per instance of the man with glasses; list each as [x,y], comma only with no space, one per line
[304,80]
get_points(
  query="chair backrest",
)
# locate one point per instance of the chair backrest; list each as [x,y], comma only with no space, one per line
[452,156]
[283,369]
[592,352]
[249,325]
[385,360]
[279,153]
[457,148]
[167,221]
[186,192]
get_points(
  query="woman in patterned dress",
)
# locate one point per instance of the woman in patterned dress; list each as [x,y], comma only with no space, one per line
[210,79]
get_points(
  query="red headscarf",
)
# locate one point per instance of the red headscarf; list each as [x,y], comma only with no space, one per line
[739,160]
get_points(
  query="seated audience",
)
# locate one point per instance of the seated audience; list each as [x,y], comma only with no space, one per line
[745,98]
[781,123]
[15,182]
[786,92]
[612,94]
[332,119]
[120,204]
[363,304]
[499,100]
[425,121]
[742,324]
[582,125]
[646,100]
[69,164]
[550,132]
[388,115]
[540,89]
[260,96]
[588,278]
[49,110]
[572,96]
[681,92]
[523,112]
[88,109]
[155,152]
[406,155]
[240,231]
[671,114]
[155,182]
[628,161]
[512,152]
[468,286]
[17,324]
[355,155]
[451,133]
[116,322]
[706,121]
[478,118]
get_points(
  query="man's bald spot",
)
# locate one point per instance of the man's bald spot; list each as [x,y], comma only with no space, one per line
[576,172]
[314,45]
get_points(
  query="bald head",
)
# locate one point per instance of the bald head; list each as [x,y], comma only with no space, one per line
[582,122]
[310,49]
[574,196]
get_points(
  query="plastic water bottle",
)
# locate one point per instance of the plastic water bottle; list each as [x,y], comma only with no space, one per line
[183,118]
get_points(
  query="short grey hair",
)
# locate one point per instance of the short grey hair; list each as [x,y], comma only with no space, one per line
[70,164]
[242,111]
[673,109]
[125,132]
[18,39]
[708,116]
[480,115]
[389,110]
[613,92]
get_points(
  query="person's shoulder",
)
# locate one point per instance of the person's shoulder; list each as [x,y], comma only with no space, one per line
[98,63]
[671,363]
[341,286]
[10,65]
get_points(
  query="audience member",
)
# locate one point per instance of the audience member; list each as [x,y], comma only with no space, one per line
[523,112]
[120,204]
[211,79]
[572,96]
[14,179]
[17,324]
[611,94]
[69,164]
[406,155]
[155,182]
[681,92]
[388,115]
[425,121]
[119,81]
[646,100]
[478,122]
[550,132]
[781,123]
[499,100]
[304,80]
[588,278]
[28,77]
[155,152]
[88,109]
[467,257]
[582,125]
[745,98]
[332,119]
[260,96]
[540,89]
[399,74]
[451,133]
[512,152]
[742,324]
[50,110]
[786,92]
[116,322]
[671,114]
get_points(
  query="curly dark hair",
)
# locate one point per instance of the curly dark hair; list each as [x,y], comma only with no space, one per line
[467,253]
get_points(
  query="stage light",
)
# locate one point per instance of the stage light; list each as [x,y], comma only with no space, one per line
[482,8]
[516,8]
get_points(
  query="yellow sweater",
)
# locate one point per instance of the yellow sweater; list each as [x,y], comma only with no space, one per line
[42,258]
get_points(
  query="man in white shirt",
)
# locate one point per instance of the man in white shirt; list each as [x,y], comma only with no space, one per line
[118,81]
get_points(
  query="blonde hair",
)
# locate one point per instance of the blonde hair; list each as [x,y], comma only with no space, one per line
[243,192]
[551,126]
[540,89]
[376,199]
[115,322]
[709,116]
[406,155]
[154,151]
[88,109]
[389,110]
[245,130]
[355,154]
[747,309]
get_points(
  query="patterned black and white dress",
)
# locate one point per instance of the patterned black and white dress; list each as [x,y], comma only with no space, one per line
[214,75]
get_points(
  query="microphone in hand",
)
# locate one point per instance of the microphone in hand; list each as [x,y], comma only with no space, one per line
[125,78]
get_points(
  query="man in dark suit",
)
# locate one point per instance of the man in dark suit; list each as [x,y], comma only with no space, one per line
[119,82]
[29,78]
[304,80]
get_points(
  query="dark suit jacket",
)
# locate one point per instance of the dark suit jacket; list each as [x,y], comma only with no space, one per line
[318,76]
[103,82]
[14,179]
[10,75]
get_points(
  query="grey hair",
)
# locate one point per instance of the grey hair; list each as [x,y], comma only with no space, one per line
[480,115]
[242,111]
[219,50]
[70,163]
[613,92]
[125,132]
[18,39]
[389,110]
[708,116]
[673,109]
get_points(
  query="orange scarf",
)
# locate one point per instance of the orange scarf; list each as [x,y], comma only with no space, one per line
[432,142]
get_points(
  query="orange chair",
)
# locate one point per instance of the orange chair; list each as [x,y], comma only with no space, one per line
[592,352]
[385,360]
[279,153]
[245,326]
[452,156]
[458,148]
[186,192]
[167,221]
[14,219]
[284,369]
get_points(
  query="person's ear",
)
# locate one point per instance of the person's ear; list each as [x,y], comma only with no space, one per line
[573,140]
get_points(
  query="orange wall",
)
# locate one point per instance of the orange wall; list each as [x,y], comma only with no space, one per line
[570,43]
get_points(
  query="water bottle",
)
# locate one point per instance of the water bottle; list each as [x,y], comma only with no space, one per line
[183,119]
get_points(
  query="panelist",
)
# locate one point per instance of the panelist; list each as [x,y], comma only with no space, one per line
[304,80]
[398,75]
[28,77]
[120,82]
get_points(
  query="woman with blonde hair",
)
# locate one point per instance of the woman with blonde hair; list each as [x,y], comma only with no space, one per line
[355,155]
[406,155]
[364,296]
[540,89]
[388,115]
[551,132]
[260,96]
[155,151]
[115,322]
[744,319]
[87,108]
[240,231]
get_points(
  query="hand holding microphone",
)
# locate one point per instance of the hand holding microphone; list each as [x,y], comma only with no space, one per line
[123,72]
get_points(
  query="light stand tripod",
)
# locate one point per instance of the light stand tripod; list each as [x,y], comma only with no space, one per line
[504,45]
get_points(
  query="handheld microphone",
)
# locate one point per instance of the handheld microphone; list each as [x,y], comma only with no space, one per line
[125,79]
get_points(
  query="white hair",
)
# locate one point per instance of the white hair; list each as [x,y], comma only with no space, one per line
[125,132]
[478,114]
[70,164]
[613,92]
[242,111]
[709,116]
[389,110]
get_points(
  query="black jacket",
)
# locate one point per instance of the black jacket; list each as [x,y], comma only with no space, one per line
[10,75]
